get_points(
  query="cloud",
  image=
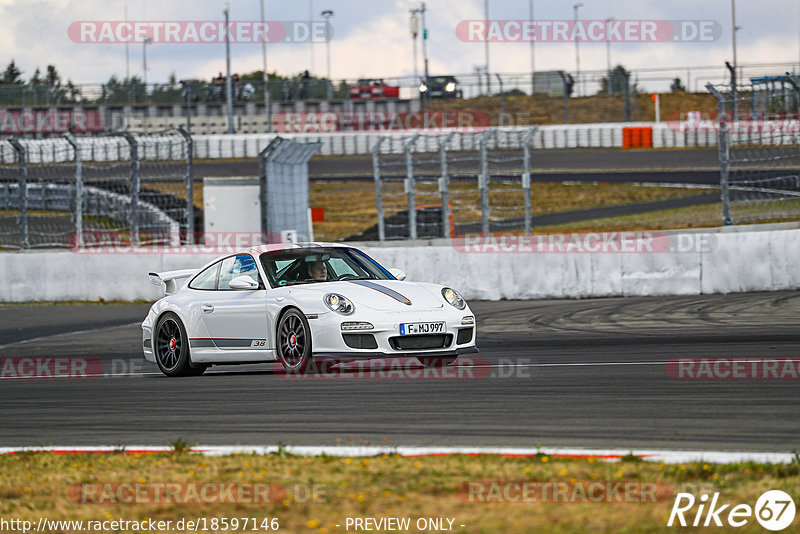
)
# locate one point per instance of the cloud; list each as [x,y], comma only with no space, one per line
[373,39]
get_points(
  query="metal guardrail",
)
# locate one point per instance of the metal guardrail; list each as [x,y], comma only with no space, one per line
[759,149]
[438,188]
[57,198]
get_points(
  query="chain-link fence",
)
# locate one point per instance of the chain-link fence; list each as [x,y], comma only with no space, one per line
[283,173]
[73,192]
[440,185]
[759,149]
[11,230]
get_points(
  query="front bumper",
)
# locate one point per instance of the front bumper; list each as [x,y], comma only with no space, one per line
[329,342]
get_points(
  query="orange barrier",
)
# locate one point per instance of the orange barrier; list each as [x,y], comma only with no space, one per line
[637,137]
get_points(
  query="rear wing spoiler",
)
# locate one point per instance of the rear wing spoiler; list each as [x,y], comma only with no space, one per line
[169,279]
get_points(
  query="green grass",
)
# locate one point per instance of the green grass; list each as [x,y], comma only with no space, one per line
[314,494]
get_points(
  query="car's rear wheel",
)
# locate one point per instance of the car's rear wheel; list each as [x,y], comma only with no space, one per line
[436,361]
[171,348]
[294,342]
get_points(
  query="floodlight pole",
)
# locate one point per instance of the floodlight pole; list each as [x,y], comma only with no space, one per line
[327,14]
[577,49]
[228,81]
[265,76]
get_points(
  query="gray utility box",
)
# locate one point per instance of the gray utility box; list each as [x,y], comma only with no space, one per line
[232,210]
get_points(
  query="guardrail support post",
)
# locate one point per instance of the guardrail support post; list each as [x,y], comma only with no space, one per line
[134,184]
[410,187]
[483,184]
[22,193]
[190,228]
[78,207]
[526,175]
[444,185]
[724,155]
[376,174]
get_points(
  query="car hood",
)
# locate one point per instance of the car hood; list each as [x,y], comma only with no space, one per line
[384,295]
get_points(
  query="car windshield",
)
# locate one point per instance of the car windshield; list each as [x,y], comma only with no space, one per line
[320,264]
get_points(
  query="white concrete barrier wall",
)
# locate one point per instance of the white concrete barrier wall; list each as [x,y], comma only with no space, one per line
[598,135]
[732,260]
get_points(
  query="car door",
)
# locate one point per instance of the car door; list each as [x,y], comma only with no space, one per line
[236,320]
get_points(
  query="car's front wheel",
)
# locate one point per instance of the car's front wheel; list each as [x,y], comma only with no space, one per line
[172,348]
[294,342]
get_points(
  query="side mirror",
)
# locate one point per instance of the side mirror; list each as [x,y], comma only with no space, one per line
[243,282]
[397,273]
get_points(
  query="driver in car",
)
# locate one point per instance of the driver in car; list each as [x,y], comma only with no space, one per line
[318,271]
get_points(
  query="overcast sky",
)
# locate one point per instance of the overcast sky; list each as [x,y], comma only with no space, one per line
[372,38]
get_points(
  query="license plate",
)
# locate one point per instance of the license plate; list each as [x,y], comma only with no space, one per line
[422,328]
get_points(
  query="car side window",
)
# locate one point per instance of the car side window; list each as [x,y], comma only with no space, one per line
[206,279]
[235,266]
[340,267]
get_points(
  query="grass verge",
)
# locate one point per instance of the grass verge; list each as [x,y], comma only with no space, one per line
[314,494]
[350,206]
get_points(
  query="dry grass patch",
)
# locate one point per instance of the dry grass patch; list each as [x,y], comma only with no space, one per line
[350,206]
[38,484]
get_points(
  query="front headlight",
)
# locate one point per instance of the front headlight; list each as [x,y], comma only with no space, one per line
[339,304]
[454,298]
[423,88]
[450,87]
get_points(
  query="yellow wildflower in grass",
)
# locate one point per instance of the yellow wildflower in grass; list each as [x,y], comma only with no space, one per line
[313,523]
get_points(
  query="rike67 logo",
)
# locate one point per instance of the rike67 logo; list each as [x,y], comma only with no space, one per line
[774,510]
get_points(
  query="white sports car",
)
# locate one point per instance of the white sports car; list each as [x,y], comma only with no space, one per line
[299,303]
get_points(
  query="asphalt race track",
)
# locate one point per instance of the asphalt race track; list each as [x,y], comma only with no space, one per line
[581,373]
[686,166]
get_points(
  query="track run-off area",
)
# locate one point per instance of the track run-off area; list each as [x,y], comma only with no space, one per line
[594,373]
